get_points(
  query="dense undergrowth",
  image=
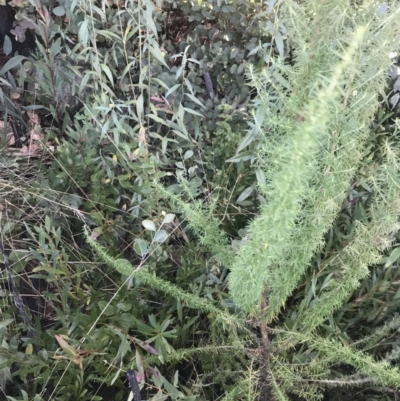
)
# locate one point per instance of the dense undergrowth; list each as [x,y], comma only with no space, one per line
[206,193]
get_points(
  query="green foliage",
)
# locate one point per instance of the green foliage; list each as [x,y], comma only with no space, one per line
[212,205]
[291,167]
[125,268]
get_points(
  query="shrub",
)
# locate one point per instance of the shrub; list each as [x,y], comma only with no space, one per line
[161,256]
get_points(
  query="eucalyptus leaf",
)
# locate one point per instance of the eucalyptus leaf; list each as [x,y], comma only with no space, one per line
[245,194]
[393,257]
[12,63]
[279,43]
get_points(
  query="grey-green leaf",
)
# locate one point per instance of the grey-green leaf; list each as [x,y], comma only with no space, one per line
[394,255]
[245,194]
[12,63]
[279,43]
[188,154]
[6,322]
[59,11]
[149,225]
[169,218]
[140,247]
[160,236]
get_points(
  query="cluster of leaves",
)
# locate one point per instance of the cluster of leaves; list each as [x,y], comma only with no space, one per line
[121,102]
[125,228]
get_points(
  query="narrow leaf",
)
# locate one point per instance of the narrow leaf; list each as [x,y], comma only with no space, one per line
[245,194]
[394,255]
[12,63]
[279,43]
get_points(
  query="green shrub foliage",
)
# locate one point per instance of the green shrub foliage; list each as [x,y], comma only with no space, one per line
[215,184]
